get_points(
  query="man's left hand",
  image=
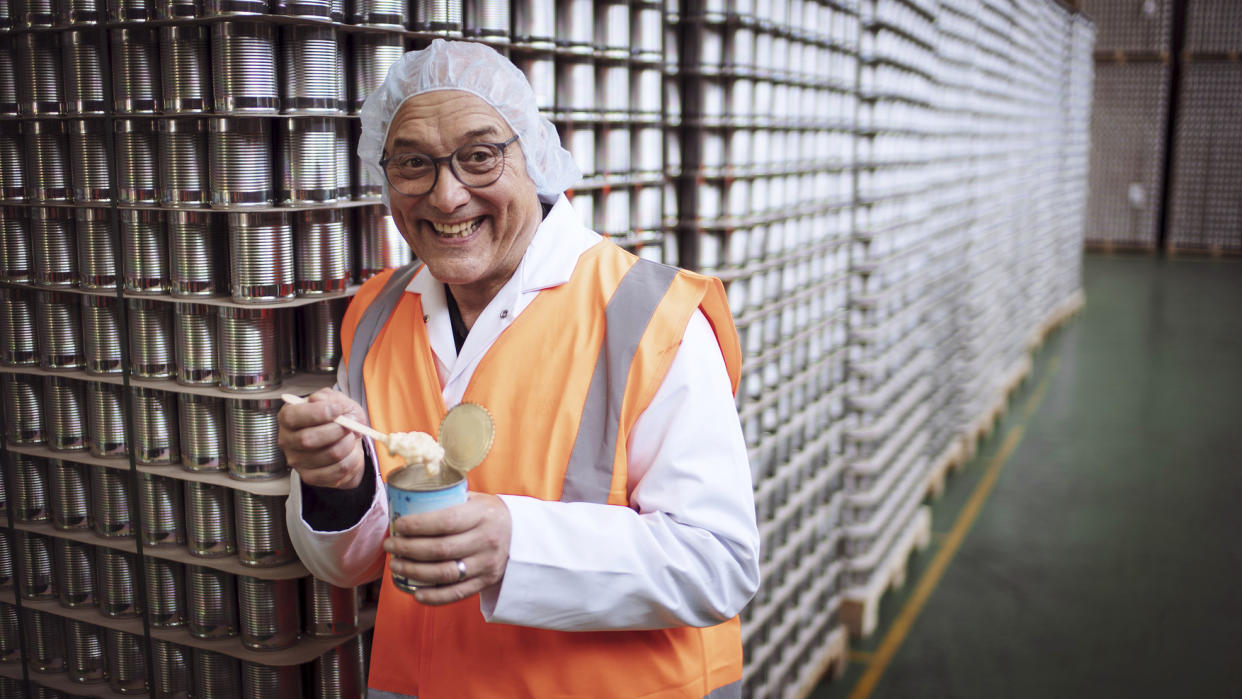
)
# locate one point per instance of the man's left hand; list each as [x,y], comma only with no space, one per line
[463,549]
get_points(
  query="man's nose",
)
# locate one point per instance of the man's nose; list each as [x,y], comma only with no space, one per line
[448,194]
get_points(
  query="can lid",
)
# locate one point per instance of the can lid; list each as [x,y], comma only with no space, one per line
[466,433]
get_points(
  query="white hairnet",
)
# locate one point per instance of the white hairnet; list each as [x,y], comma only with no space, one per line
[481,71]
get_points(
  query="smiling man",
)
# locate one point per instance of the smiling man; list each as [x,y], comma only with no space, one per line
[609,539]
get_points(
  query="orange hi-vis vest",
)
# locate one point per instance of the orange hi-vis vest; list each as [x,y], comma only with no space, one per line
[604,342]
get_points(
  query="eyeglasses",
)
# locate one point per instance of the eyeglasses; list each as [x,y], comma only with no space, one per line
[475,165]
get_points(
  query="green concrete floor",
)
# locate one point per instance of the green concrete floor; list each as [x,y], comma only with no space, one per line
[1107,559]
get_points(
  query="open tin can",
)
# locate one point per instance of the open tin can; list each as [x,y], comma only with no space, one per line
[411,491]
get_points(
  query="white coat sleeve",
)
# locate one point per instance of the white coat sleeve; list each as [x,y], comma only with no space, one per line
[344,558]
[685,554]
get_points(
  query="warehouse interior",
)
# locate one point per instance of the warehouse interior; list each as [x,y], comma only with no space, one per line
[981,255]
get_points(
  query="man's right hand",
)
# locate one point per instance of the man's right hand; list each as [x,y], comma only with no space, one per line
[322,452]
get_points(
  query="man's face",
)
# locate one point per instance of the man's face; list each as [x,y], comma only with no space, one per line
[472,238]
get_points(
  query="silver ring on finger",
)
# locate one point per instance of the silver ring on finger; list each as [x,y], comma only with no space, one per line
[461,570]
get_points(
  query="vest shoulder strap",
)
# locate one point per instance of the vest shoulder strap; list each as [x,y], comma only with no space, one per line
[374,316]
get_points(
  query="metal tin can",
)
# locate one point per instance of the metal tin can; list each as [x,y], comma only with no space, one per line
[136,157]
[64,413]
[441,17]
[216,675]
[381,245]
[151,339]
[243,61]
[110,501]
[12,164]
[80,12]
[145,247]
[330,610]
[240,162]
[10,635]
[70,487]
[269,611]
[202,432]
[54,248]
[344,161]
[249,342]
[45,641]
[37,13]
[96,253]
[489,19]
[411,491]
[195,326]
[38,576]
[217,8]
[156,440]
[269,681]
[309,57]
[322,252]
[174,672]
[261,257]
[84,645]
[47,161]
[130,10]
[135,70]
[209,520]
[186,73]
[262,538]
[6,559]
[28,478]
[321,325]
[18,343]
[165,582]
[59,324]
[211,601]
[198,246]
[75,572]
[313,9]
[307,161]
[101,335]
[105,412]
[80,52]
[373,55]
[340,672]
[38,58]
[183,162]
[379,13]
[117,574]
[534,23]
[127,662]
[8,77]
[252,450]
[23,409]
[163,521]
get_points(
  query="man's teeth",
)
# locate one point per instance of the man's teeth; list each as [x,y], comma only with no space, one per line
[453,230]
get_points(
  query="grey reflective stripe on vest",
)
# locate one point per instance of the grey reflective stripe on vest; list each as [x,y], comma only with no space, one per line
[729,691]
[369,326]
[589,475]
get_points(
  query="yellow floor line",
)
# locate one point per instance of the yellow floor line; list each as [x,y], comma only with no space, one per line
[909,613]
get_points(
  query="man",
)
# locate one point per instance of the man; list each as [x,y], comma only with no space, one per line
[610,533]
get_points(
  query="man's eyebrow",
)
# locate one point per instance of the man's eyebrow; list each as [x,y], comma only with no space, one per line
[401,145]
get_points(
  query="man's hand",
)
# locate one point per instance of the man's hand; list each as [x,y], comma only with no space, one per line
[428,546]
[322,452]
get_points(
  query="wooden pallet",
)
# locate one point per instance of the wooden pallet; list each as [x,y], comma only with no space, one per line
[1062,313]
[860,608]
[830,666]
[1213,251]
[951,459]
